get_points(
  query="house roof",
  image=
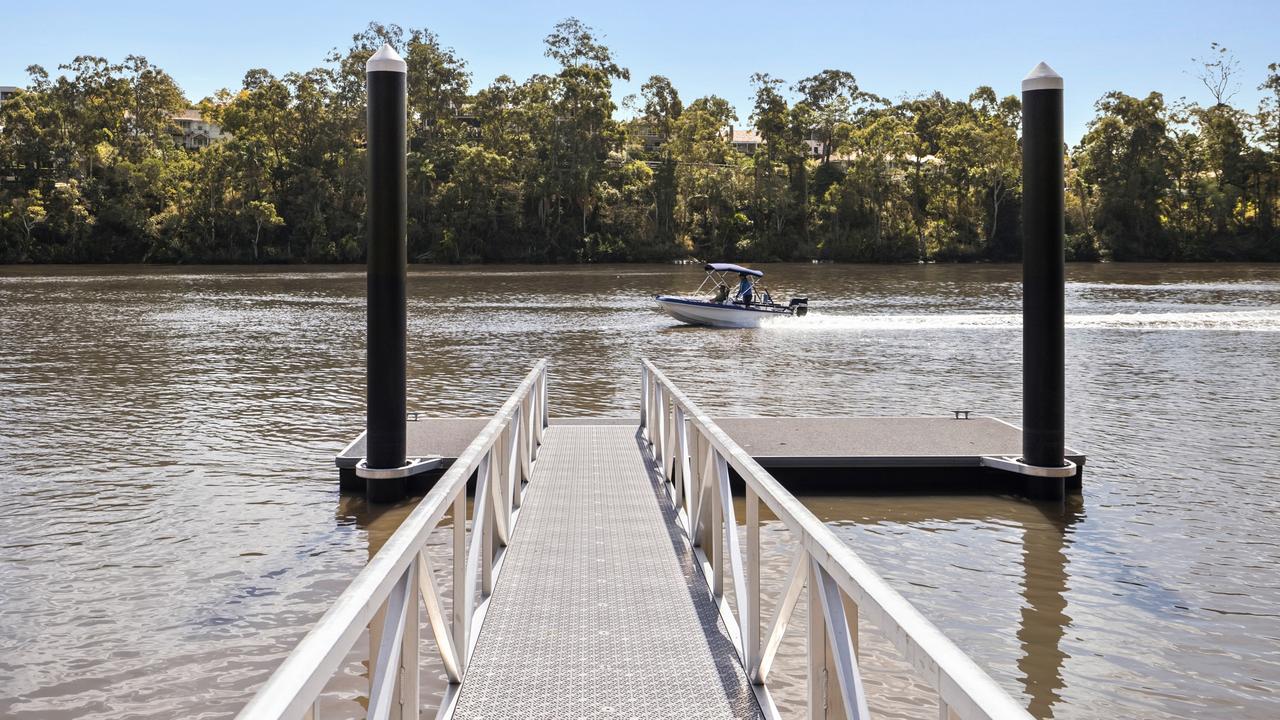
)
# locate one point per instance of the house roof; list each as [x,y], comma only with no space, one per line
[747,136]
[188,114]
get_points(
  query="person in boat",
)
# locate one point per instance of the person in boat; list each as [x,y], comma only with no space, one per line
[744,288]
[722,293]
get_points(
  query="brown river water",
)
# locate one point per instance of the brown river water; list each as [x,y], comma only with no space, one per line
[170,523]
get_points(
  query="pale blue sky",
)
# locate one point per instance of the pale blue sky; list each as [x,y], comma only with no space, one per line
[894,48]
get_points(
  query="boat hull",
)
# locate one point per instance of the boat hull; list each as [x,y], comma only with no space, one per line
[701,312]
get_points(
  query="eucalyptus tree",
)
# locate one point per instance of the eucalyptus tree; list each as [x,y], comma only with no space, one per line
[1269,141]
[780,197]
[579,133]
[662,110]
[837,103]
[1125,155]
[865,215]
[709,178]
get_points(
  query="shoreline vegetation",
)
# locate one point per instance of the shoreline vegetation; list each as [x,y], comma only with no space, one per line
[551,170]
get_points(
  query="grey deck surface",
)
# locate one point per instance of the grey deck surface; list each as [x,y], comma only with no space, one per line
[448,437]
[599,610]
[775,442]
[874,441]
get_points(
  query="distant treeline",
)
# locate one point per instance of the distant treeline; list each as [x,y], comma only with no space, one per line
[543,170]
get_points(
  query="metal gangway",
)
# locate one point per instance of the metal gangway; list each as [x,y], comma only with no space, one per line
[592,583]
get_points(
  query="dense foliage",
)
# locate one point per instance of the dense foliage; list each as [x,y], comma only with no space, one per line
[545,171]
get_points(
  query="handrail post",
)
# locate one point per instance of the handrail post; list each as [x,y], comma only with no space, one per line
[410,691]
[668,441]
[815,648]
[495,471]
[460,579]
[846,696]
[751,613]
[386,670]
[376,630]
[716,551]
[542,392]
[498,482]
[515,475]
[655,420]
[680,473]
[526,416]
[659,442]
[526,453]
[702,522]
[694,502]
[644,393]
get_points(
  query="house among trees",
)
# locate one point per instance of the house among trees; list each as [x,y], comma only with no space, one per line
[749,140]
[817,148]
[6,92]
[194,132]
[651,138]
[745,141]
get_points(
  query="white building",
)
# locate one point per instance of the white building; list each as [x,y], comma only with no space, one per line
[194,132]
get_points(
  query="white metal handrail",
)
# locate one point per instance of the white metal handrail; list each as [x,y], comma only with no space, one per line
[840,584]
[387,594]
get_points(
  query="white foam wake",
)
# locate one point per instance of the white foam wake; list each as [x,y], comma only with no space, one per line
[1254,320]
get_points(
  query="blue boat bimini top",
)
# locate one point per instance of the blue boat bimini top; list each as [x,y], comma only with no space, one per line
[730,267]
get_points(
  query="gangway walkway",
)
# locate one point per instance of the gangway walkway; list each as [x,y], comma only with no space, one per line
[591,579]
[600,610]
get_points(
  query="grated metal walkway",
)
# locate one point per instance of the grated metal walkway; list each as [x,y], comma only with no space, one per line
[599,611]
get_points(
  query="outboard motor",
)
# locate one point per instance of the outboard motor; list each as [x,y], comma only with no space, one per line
[800,306]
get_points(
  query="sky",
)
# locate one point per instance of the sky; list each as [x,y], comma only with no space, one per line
[896,49]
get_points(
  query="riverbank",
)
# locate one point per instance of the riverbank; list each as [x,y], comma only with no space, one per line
[354,264]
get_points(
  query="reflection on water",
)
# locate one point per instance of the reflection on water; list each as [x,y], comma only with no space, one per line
[895,689]
[347,694]
[172,523]
[1040,569]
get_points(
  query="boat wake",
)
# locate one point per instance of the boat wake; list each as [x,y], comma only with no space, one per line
[1255,320]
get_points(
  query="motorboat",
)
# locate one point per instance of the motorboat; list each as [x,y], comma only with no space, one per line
[728,302]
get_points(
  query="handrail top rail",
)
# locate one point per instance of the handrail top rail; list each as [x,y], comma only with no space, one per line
[961,683]
[315,658]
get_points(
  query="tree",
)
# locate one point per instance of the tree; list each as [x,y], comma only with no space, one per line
[1125,155]
[27,212]
[708,179]
[479,205]
[261,213]
[68,216]
[662,109]
[1217,73]
[836,103]
[997,157]
[662,106]
[1269,139]
[581,132]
